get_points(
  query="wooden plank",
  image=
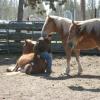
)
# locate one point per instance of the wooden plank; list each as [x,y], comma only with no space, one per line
[36,26]
[21,36]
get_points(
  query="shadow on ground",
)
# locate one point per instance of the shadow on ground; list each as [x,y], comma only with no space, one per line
[65,77]
[81,88]
[6,59]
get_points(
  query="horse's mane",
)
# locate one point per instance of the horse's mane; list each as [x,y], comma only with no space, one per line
[59,18]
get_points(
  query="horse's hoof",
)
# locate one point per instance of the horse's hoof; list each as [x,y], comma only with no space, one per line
[79,73]
[67,74]
[67,71]
[8,70]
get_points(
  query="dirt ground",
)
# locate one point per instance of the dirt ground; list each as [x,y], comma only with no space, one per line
[19,86]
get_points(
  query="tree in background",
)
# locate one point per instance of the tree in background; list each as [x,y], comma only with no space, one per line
[37,12]
[33,3]
[91,8]
[82,4]
[98,9]
[8,9]
[62,8]
[59,9]
[20,10]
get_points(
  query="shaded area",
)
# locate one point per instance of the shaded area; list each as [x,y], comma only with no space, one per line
[64,77]
[6,59]
[81,88]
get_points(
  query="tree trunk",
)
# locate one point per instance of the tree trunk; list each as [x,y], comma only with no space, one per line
[19,17]
[83,9]
[20,10]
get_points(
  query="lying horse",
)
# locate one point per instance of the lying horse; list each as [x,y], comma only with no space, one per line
[61,25]
[84,35]
[29,62]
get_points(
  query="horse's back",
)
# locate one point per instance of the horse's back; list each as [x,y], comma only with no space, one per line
[25,58]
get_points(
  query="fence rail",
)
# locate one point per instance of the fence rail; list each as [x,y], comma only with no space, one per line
[13,31]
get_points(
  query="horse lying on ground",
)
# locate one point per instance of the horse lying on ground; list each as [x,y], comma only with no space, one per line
[61,25]
[84,35]
[29,62]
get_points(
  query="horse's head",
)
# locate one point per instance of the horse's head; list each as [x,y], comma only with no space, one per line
[28,46]
[49,26]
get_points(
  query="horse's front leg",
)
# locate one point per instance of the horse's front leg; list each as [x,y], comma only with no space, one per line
[68,52]
[77,54]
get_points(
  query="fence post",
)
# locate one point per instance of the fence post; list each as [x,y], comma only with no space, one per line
[32,29]
[8,49]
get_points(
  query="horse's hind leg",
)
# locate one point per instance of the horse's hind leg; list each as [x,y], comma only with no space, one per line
[77,54]
[28,69]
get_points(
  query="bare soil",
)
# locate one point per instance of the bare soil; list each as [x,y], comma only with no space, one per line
[57,86]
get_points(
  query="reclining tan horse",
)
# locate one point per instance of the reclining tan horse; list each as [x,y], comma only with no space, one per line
[28,61]
[84,35]
[61,25]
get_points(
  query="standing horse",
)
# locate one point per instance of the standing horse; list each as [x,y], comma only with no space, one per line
[28,61]
[84,35]
[61,25]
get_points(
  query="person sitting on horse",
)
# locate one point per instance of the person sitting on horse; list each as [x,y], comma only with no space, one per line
[43,48]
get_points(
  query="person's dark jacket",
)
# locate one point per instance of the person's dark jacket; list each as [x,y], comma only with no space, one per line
[42,45]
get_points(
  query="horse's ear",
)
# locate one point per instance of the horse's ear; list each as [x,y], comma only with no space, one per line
[73,23]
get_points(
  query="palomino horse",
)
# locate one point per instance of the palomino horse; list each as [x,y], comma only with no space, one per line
[84,35]
[29,62]
[61,25]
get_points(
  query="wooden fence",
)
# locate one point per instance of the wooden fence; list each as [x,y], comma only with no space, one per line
[13,32]
[19,31]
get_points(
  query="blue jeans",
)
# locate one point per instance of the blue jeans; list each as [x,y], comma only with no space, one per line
[48,57]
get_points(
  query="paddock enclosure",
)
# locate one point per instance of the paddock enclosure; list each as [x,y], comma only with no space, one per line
[14,31]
